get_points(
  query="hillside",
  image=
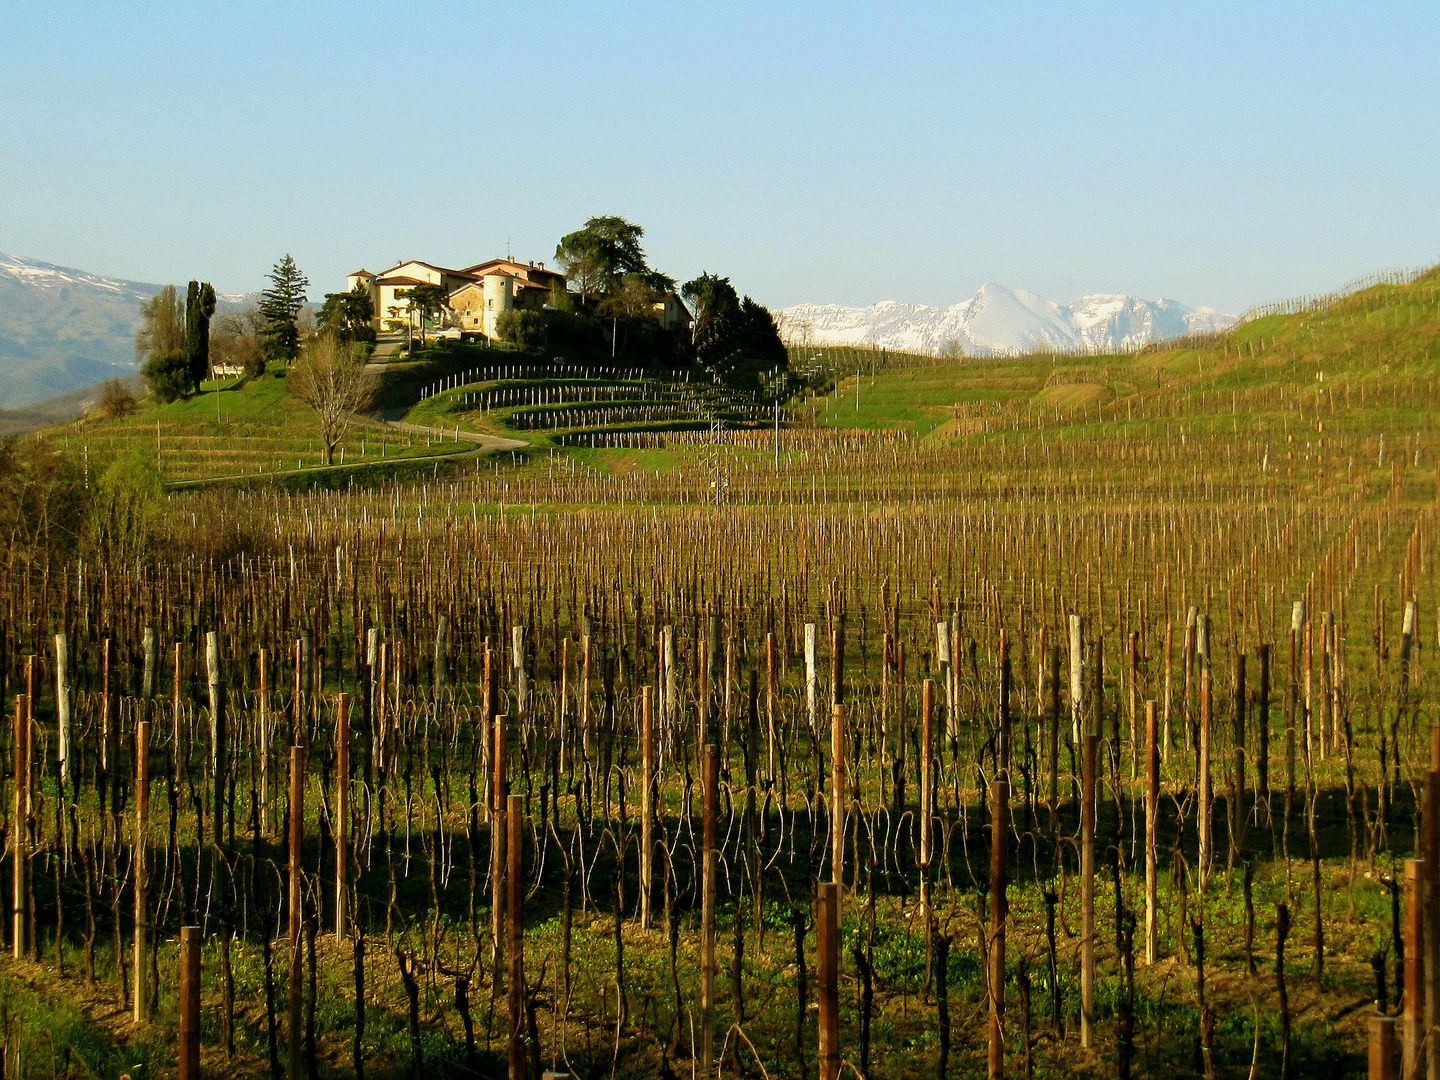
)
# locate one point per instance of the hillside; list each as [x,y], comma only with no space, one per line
[63,329]
[1350,351]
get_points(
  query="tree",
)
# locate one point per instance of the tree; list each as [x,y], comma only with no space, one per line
[632,297]
[127,511]
[281,304]
[349,315]
[237,338]
[116,399]
[167,374]
[734,337]
[526,329]
[598,257]
[331,380]
[199,307]
[162,325]
[426,301]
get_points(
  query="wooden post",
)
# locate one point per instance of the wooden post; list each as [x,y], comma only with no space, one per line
[62,705]
[771,775]
[188,1055]
[1205,816]
[811,678]
[1262,728]
[999,903]
[295,1030]
[647,802]
[1414,1031]
[1237,729]
[1087,891]
[1053,743]
[1382,1048]
[497,837]
[827,937]
[1430,899]
[710,799]
[218,757]
[837,794]
[999,906]
[837,666]
[1132,665]
[342,816]
[1077,676]
[262,704]
[150,639]
[927,797]
[142,874]
[1152,816]
[514,938]
[19,853]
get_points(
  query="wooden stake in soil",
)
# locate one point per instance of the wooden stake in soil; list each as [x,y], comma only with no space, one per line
[1077,676]
[837,794]
[514,937]
[999,906]
[1205,815]
[710,798]
[1152,815]
[218,756]
[1414,1030]
[1382,1048]
[62,705]
[295,1031]
[927,797]
[19,855]
[999,826]
[497,838]
[142,834]
[1087,891]
[342,815]
[647,802]
[188,1052]
[827,973]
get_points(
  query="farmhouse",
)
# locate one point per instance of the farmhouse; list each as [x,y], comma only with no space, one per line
[480,294]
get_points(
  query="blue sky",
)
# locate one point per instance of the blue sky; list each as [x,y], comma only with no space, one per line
[1220,155]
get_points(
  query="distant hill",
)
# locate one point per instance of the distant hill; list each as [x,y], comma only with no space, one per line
[998,321]
[63,329]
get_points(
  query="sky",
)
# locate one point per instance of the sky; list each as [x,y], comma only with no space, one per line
[1221,155]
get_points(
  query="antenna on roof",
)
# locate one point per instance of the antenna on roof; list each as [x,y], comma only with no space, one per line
[507,249]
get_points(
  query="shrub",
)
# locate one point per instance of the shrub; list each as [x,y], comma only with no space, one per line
[526,329]
[167,375]
[116,399]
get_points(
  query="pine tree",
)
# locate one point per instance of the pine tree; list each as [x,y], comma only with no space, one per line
[280,305]
[199,307]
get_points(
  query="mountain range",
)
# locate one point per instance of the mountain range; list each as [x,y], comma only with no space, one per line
[63,329]
[998,321]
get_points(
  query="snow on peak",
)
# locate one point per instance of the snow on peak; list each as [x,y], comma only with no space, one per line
[1001,321]
[43,275]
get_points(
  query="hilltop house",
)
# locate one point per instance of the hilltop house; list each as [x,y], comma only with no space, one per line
[479,294]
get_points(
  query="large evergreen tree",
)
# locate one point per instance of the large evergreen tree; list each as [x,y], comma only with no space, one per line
[280,304]
[348,316]
[598,258]
[734,336]
[199,307]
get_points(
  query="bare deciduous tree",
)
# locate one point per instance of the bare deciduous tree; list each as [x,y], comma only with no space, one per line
[331,379]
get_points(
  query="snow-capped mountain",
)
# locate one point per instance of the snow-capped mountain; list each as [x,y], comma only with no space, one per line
[62,329]
[998,321]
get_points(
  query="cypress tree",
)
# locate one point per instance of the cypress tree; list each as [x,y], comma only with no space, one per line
[199,307]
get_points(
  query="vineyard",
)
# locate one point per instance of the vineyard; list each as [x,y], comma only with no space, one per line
[1043,717]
